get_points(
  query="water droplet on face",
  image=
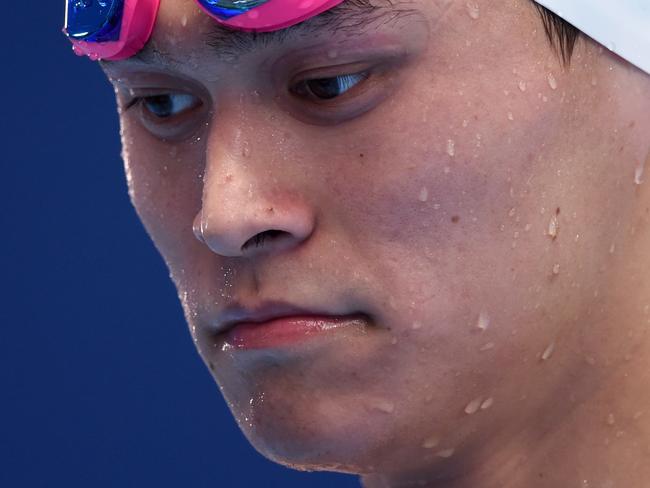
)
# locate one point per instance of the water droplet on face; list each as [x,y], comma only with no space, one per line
[522,86]
[424,194]
[612,249]
[637,415]
[384,406]
[416,325]
[640,169]
[451,148]
[473,10]
[611,420]
[184,20]
[473,406]
[511,116]
[552,82]
[487,347]
[528,227]
[483,321]
[431,442]
[446,453]
[556,269]
[548,352]
[553,227]
[487,403]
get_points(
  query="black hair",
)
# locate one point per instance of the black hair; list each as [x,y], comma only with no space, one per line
[562,35]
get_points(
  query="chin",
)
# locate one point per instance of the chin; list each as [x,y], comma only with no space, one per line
[311,435]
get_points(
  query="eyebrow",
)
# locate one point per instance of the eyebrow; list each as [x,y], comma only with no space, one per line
[350,17]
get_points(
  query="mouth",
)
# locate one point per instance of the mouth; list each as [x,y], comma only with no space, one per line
[276,325]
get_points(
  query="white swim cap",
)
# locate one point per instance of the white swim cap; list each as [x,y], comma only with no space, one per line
[623,26]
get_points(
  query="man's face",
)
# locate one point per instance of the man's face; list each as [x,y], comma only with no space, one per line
[428,165]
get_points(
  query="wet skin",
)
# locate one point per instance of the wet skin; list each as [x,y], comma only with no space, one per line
[473,199]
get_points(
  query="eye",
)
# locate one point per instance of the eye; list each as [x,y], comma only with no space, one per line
[322,89]
[169,104]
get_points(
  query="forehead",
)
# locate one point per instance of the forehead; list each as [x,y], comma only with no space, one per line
[184,32]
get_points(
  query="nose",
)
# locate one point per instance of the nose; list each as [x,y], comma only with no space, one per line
[247,208]
[234,227]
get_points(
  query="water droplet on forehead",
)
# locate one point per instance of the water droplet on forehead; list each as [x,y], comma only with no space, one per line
[473,406]
[640,170]
[451,147]
[424,194]
[246,150]
[483,321]
[522,86]
[552,82]
[383,406]
[556,269]
[487,403]
[487,347]
[548,352]
[431,442]
[473,10]
[446,453]
[553,227]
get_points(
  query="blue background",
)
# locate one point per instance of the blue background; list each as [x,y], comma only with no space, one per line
[100,383]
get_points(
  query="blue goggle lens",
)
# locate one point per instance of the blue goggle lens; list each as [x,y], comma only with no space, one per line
[226,9]
[94,20]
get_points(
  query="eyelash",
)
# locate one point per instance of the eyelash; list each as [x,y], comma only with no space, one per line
[346,82]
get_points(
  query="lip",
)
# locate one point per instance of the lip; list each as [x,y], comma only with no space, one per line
[264,312]
[277,324]
[286,331]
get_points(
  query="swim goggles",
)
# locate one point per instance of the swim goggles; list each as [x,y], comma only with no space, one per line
[118,29]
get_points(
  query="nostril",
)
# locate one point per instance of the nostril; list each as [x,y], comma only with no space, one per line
[258,240]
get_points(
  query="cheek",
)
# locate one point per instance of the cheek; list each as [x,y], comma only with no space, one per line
[435,184]
[165,185]
[459,209]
